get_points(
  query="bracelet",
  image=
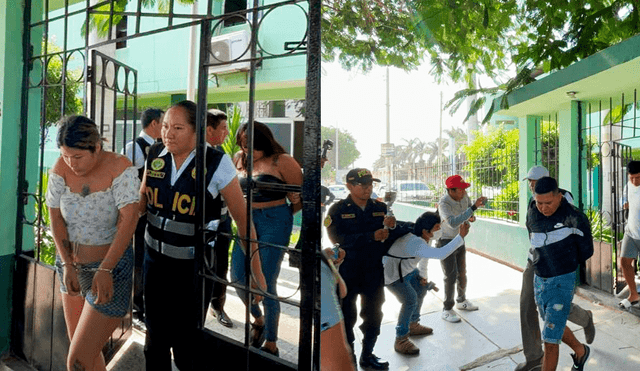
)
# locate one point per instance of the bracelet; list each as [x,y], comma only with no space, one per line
[104,270]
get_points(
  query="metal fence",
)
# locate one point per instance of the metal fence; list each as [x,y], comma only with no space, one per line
[495,176]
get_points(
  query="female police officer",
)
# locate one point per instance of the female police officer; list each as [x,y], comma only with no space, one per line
[169,193]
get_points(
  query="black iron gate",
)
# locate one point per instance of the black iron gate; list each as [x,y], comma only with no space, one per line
[108,89]
[605,151]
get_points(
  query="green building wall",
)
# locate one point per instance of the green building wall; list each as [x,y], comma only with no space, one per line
[10,82]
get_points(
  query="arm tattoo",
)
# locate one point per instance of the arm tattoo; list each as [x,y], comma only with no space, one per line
[66,245]
[77,366]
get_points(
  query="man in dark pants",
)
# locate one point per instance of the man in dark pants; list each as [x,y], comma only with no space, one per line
[529,318]
[455,208]
[217,131]
[136,151]
[358,224]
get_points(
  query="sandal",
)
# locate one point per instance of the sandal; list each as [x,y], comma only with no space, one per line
[625,304]
[257,335]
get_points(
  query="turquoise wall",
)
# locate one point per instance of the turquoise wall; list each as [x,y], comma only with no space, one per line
[507,242]
[161,59]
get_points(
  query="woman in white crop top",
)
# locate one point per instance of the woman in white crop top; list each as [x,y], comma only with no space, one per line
[92,197]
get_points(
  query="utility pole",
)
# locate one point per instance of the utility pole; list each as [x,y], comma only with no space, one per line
[439,162]
[337,149]
[192,70]
[387,159]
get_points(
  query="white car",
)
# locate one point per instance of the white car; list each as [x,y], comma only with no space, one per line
[412,189]
[339,190]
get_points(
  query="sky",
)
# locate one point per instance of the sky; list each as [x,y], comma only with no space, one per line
[356,102]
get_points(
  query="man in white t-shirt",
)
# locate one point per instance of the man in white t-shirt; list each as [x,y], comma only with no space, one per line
[631,240]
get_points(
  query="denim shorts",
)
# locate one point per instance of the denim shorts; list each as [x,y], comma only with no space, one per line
[553,297]
[630,247]
[122,275]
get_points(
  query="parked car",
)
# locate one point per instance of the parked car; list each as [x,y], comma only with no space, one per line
[339,190]
[412,190]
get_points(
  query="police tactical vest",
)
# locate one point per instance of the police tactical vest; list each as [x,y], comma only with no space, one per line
[171,210]
[144,146]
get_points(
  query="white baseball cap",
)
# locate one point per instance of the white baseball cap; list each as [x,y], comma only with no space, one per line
[536,173]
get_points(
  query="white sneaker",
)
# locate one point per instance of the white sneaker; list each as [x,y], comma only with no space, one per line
[466,305]
[450,316]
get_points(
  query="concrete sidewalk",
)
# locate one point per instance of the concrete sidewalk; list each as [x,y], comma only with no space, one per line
[487,339]
[490,339]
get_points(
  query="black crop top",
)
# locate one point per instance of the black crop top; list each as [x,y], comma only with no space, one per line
[264,195]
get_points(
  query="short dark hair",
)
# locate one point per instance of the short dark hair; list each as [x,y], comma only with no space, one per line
[215,117]
[78,132]
[545,185]
[426,221]
[633,167]
[149,115]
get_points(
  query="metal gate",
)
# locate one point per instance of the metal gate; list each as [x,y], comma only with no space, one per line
[108,90]
[604,154]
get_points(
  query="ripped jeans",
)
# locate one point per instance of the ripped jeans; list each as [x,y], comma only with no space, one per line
[553,297]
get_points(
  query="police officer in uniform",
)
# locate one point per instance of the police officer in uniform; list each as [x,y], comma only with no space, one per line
[137,151]
[169,193]
[360,225]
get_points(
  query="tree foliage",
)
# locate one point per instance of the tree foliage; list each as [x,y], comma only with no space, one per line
[53,95]
[463,38]
[347,151]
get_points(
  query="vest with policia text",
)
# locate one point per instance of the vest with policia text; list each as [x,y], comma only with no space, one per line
[144,146]
[171,210]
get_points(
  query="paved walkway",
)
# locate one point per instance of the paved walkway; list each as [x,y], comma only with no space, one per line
[487,339]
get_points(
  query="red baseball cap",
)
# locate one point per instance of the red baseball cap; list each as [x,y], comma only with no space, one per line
[456,181]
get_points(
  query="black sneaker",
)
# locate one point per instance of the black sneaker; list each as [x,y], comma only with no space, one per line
[371,362]
[579,365]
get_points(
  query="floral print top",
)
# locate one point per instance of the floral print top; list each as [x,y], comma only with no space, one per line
[91,219]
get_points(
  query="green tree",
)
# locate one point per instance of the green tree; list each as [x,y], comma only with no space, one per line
[492,157]
[463,38]
[347,151]
[53,95]
[234,120]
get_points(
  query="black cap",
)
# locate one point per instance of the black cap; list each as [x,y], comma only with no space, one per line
[360,175]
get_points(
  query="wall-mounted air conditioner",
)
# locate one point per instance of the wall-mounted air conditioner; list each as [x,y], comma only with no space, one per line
[229,47]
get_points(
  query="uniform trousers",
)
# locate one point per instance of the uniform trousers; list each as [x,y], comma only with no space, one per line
[368,283]
[171,312]
[454,269]
[138,250]
[529,318]
[221,253]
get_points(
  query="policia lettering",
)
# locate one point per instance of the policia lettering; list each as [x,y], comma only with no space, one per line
[177,202]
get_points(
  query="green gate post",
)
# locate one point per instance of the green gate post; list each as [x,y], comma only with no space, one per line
[569,161]
[527,158]
[11,28]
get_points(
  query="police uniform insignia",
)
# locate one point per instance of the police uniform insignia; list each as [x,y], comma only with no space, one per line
[348,216]
[157,164]
[327,221]
[379,213]
[193,172]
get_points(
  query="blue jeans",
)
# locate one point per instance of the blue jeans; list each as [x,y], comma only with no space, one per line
[411,294]
[273,226]
[553,296]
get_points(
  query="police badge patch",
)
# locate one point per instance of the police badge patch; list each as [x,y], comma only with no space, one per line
[157,164]
[327,221]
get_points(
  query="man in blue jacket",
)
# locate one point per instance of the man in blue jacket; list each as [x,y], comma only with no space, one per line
[561,240]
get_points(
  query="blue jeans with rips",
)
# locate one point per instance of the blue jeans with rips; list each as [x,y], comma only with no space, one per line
[273,226]
[411,294]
